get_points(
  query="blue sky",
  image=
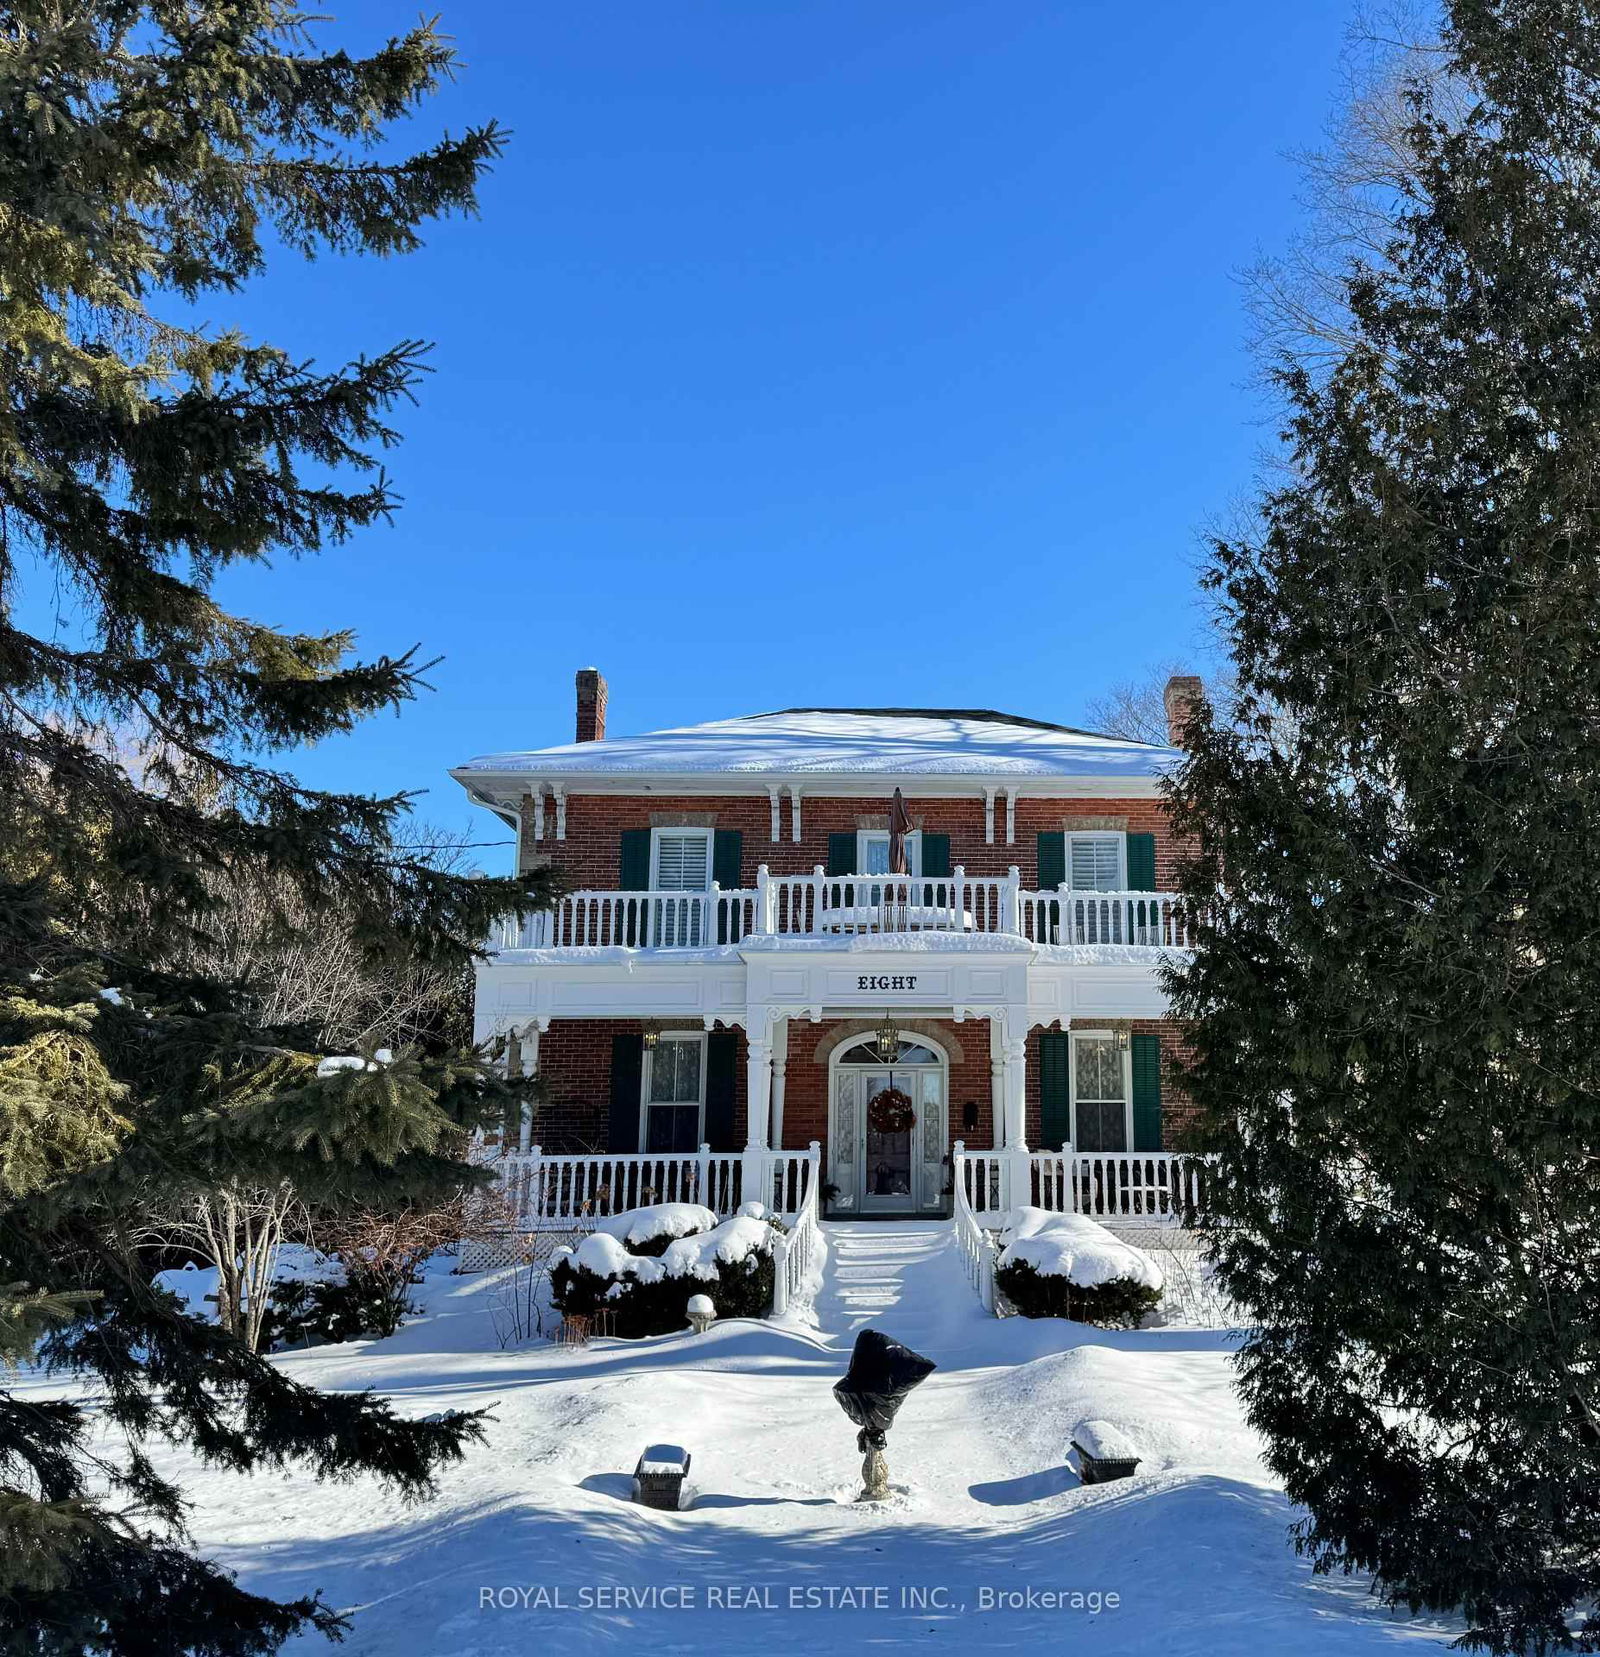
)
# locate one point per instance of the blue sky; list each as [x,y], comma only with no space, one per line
[812,353]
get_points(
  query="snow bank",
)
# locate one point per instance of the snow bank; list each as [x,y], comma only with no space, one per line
[196,1286]
[1074,1247]
[662,1219]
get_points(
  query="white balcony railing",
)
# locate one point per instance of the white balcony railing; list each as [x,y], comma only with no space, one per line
[820,905]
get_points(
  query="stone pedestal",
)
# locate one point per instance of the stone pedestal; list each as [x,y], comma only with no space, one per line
[874,1478]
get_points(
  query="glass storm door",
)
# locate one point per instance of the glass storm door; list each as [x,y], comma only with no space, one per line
[886,1159]
[889,1173]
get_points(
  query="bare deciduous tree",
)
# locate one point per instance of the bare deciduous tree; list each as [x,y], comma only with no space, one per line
[238,1229]
[309,970]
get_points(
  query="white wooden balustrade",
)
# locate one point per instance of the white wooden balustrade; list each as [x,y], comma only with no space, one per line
[549,1193]
[820,905]
[1115,1187]
[792,1254]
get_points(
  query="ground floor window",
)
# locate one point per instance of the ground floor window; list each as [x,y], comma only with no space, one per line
[674,1093]
[1100,1091]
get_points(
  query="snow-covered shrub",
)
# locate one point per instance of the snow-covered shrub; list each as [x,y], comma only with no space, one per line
[650,1294]
[1068,1266]
[648,1231]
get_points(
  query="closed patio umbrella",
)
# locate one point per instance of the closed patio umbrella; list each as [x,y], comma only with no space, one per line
[899,828]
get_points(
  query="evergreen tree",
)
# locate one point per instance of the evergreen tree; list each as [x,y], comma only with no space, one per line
[1393,999]
[148,153]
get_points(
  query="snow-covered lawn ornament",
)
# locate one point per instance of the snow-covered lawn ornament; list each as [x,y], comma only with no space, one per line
[658,1479]
[702,1314]
[1105,1452]
[881,1376]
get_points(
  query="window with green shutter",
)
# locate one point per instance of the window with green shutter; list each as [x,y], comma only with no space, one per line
[842,853]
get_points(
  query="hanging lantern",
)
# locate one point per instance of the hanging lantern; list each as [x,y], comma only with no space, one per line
[652,1034]
[888,1039]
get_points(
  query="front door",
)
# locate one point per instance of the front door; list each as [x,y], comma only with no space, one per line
[888,1173]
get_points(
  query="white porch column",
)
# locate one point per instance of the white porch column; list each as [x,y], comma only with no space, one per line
[529,1054]
[997,1081]
[780,1071]
[1019,1184]
[758,1106]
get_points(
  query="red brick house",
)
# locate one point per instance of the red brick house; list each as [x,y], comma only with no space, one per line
[734,966]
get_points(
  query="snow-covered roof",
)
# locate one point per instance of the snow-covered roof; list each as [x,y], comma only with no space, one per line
[893,742]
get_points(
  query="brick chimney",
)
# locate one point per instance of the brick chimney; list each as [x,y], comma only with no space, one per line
[1182,692]
[591,705]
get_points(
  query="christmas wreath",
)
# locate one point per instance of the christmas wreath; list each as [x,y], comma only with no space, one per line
[891,1111]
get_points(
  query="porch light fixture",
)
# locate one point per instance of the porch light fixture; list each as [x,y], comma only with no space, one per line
[888,1039]
[652,1034]
[1123,1038]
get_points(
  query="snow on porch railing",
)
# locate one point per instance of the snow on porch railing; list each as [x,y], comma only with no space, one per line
[792,1254]
[556,1192]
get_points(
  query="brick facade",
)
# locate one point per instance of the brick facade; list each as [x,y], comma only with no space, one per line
[575,1055]
[590,856]
[575,1064]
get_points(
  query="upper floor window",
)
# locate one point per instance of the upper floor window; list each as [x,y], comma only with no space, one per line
[680,860]
[872,852]
[1097,862]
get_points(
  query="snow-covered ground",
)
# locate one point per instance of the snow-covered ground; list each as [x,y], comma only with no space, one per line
[534,1543]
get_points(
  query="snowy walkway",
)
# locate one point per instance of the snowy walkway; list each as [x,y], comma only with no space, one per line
[540,1516]
[905,1277]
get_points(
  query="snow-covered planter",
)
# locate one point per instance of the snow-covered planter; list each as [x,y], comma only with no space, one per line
[649,1294]
[1068,1266]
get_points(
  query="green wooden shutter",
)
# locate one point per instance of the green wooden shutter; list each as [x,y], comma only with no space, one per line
[1141,862]
[727,870]
[1055,1089]
[727,858]
[936,856]
[1146,1093]
[634,861]
[627,1083]
[1052,861]
[841,854]
[633,865]
[722,1069]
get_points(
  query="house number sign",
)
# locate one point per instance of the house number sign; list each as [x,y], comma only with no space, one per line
[886,981]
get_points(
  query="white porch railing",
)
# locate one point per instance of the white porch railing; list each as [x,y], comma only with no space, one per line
[571,1192]
[977,1245]
[791,1255]
[1114,1187]
[819,905]
[1140,920]
[634,920]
